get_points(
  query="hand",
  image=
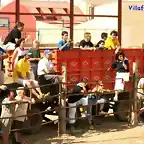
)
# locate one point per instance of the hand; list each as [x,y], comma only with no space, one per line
[33,101]
[3,87]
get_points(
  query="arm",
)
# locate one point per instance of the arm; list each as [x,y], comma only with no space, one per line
[61,46]
[81,45]
[14,55]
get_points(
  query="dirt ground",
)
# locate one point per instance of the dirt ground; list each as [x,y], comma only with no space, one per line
[108,131]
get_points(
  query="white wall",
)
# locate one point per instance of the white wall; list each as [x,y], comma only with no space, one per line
[48,33]
[132,25]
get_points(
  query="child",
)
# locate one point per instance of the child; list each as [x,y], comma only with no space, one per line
[121,64]
[8,109]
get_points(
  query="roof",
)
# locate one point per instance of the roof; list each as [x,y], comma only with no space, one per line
[55,8]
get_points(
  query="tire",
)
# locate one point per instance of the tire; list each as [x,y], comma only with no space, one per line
[33,122]
[120,109]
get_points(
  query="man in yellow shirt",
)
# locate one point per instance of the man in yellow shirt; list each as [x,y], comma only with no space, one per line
[21,75]
[112,41]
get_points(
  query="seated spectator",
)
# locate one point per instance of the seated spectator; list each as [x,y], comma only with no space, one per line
[35,56]
[100,45]
[112,41]
[96,98]
[64,44]
[18,52]
[21,111]
[86,42]
[78,97]
[103,38]
[47,75]
[8,109]
[21,76]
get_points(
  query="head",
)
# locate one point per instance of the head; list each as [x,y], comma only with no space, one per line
[20,92]
[104,36]
[19,26]
[26,55]
[87,36]
[101,43]
[48,54]
[9,94]
[36,44]
[64,35]
[114,34]
[84,81]
[120,56]
[20,43]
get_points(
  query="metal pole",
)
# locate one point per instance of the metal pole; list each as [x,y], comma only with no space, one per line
[71,21]
[120,20]
[17,16]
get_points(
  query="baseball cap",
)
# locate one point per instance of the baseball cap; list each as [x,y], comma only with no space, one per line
[26,52]
[47,52]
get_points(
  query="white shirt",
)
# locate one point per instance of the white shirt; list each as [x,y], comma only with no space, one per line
[21,109]
[44,64]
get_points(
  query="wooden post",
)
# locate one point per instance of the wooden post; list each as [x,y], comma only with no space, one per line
[134,116]
[62,102]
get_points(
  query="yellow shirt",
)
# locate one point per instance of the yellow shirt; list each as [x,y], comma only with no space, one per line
[110,43]
[23,67]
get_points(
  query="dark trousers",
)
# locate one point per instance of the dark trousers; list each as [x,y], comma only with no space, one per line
[34,68]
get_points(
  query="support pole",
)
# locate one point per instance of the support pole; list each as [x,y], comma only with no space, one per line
[62,104]
[120,20]
[134,108]
[17,16]
[71,21]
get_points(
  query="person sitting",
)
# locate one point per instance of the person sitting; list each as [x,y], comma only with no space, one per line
[100,45]
[86,42]
[103,38]
[95,99]
[77,96]
[18,52]
[35,56]
[112,41]
[21,75]
[47,74]
[64,44]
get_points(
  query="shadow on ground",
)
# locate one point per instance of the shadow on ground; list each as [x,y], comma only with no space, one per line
[48,133]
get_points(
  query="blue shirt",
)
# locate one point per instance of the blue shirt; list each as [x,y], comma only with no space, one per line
[61,43]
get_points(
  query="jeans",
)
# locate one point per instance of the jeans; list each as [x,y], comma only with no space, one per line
[72,108]
[93,100]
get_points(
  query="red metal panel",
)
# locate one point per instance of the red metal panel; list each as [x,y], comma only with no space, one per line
[85,75]
[85,64]
[96,75]
[73,65]
[96,63]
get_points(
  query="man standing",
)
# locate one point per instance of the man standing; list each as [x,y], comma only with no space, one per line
[35,57]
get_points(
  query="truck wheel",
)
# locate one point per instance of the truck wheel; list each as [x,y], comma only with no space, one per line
[33,123]
[121,110]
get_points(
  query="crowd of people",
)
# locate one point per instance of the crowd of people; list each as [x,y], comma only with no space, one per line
[29,67]
[106,43]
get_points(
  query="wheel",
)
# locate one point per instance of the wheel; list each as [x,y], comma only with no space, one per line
[121,110]
[33,123]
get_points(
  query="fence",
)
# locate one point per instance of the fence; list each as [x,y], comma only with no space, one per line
[132,102]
